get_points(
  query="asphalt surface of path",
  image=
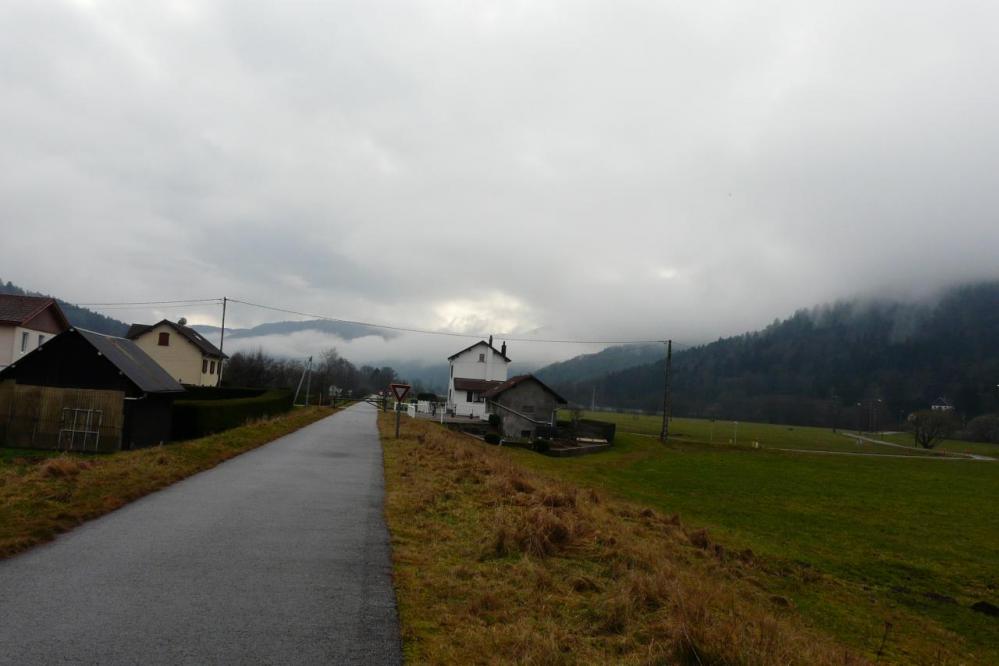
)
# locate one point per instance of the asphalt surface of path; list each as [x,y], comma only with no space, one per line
[278,556]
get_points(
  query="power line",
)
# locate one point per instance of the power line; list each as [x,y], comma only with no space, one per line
[423,331]
[162,307]
[184,301]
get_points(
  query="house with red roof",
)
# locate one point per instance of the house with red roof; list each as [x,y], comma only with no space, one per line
[26,323]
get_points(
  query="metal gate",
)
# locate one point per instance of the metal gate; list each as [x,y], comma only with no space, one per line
[46,417]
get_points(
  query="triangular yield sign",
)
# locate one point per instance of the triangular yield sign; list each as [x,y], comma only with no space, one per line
[400,390]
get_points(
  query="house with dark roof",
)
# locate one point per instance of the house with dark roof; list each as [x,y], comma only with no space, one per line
[473,371]
[26,322]
[103,368]
[182,351]
[525,406]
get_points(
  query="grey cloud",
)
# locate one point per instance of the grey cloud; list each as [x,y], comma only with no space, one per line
[585,169]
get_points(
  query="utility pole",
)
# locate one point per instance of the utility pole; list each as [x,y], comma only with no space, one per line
[308,383]
[593,400]
[218,382]
[664,435]
[307,368]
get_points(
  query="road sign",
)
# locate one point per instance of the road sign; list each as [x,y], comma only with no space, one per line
[400,390]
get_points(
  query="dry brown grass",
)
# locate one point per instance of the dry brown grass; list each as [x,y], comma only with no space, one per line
[42,498]
[494,564]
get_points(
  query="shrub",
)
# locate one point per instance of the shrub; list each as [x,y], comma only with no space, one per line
[984,428]
[192,392]
[541,445]
[197,418]
[492,438]
[494,421]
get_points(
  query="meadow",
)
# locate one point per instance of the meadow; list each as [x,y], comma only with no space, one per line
[864,545]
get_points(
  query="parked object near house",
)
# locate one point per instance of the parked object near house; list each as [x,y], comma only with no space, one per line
[182,351]
[26,323]
[526,406]
[475,370]
[86,391]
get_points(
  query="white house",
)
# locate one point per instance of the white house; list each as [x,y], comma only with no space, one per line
[26,322]
[475,370]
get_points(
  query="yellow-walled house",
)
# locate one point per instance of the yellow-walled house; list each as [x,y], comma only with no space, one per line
[183,352]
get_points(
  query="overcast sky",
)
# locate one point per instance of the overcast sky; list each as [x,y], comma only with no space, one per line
[584,169]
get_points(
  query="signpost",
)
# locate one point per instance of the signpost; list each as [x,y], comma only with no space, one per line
[399,391]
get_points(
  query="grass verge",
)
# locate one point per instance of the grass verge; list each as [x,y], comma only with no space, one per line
[494,563]
[42,496]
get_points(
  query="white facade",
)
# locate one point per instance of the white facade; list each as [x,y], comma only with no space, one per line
[482,363]
[16,341]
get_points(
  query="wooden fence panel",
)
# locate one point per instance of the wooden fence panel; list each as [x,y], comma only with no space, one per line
[45,417]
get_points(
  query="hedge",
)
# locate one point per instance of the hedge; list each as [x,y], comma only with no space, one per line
[197,418]
[193,392]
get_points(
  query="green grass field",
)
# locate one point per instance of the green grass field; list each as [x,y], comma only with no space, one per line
[857,540]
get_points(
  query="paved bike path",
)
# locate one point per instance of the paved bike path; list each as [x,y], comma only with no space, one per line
[278,556]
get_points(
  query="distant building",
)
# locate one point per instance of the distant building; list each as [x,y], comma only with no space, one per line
[524,405]
[26,322]
[942,405]
[475,370]
[102,392]
[182,351]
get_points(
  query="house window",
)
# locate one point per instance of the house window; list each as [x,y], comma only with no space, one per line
[525,434]
[164,340]
[41,340]
[211,368]
[482,358]
[24,342]
[452,371]
[468,397]
[204,365]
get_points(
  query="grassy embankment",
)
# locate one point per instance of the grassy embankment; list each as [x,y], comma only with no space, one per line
[496,564]
[891,539]
[850,542]
[43,494]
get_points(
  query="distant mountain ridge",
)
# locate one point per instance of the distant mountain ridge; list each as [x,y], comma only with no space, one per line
[77,316]
[342,330]
[855,363]
[589,366]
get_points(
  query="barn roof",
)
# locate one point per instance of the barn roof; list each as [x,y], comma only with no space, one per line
[516,381]
[192,336]
[17,310]
[134,363]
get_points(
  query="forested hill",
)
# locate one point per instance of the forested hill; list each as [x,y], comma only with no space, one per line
[816,366]
[77,316]
[588,366]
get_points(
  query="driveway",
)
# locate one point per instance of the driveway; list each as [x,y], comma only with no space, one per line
[278,556]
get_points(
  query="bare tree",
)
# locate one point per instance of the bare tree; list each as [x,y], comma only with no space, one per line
[930,426]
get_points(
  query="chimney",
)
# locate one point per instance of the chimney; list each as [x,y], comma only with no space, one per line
[490,341]
[503,348]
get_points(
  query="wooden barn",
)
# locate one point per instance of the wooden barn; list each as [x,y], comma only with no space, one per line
[86,391]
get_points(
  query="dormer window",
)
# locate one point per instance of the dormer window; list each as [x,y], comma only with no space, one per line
[164,340]
[482,358]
